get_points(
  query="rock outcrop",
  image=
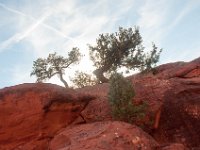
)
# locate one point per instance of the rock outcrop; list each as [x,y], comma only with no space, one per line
[31,114]
[180,116]
[172,92]
[46,116]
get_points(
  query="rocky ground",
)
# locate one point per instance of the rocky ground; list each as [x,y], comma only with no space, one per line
[49,117]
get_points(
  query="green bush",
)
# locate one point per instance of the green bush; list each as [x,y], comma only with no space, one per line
[120,97]
[82,79]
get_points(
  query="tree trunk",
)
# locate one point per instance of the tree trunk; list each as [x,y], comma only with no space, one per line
[63,81]
[99,73]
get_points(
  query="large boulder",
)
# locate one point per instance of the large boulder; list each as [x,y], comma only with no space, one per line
[180,116]
[30,114]
[103,135]
[97,109]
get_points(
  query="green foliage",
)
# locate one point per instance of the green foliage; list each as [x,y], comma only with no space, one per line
[82,79]
[120,97]
[45,68]
[121,49]
[114,48]
[150,59]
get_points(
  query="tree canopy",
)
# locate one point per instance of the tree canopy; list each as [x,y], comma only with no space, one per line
[46,68]
[112,51]
[121,49]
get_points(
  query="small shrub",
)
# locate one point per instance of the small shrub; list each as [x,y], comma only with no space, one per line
[82,79]
[120,97]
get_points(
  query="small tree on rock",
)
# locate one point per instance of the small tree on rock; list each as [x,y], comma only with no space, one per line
[46,68]
[120,97]
[121,49]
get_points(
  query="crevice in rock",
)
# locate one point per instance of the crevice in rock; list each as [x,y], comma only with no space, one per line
[84,121]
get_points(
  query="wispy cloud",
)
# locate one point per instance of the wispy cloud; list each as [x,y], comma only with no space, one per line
[21,74]
[36,22]
[152,15]
[20,36]
[187,8]
[158,18]
[13,10]
[79,20]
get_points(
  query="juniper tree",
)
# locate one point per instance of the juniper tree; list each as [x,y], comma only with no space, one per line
[121,95]
[121,49]
[46,68]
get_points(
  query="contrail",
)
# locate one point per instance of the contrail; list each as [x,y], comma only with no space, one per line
[19,36]
[13,10]
[31,17]
[57,31]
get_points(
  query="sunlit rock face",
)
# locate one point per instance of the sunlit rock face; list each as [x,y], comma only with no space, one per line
[30,114]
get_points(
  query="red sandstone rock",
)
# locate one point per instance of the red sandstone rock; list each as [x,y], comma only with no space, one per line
[30,114]
[103,135]
[97,109]
[173,98]
[180,116]
[179,94]
[179,69]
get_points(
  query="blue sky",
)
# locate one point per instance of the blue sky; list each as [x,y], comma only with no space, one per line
[34,28]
